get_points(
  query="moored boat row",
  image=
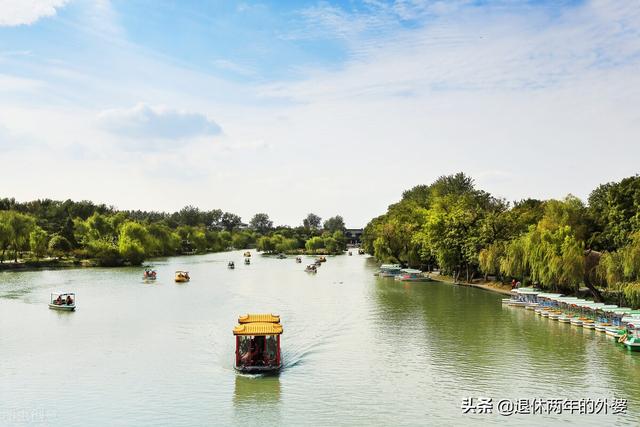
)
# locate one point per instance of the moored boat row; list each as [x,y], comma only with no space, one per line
[616,322]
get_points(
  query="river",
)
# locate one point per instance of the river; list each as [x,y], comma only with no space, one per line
[357,350]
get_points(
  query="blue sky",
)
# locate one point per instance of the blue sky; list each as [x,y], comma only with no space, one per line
[292,107]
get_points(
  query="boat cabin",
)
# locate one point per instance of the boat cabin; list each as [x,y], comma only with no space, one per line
[258,343]
[411,275]
[63,301]
[389,270]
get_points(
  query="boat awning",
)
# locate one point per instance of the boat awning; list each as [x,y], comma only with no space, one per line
[390,267]
[411,271]
[258,328]
[259,318]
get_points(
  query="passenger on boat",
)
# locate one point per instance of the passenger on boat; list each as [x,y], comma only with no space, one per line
[69,300]
[58,301]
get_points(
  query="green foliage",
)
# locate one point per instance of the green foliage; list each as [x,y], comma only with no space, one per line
[314,244]
[261,223]
[632,294]
[311,222]
[614,209]
[38,240]
[334,224]
[59,245]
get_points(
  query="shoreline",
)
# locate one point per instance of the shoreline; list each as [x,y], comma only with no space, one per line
[486,287]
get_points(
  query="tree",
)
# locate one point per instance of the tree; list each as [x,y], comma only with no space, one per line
[230,221]
[19,226]
[59,245]
[314,244]
[334,224]
[312,222]
[261,223]
[38,242]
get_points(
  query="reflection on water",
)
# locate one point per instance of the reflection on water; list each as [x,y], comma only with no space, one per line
[357,349]
[256,390]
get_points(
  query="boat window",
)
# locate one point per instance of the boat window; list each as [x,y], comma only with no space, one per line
[257,350]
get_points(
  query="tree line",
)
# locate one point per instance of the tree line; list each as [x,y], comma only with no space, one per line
[83,230]
[558,245]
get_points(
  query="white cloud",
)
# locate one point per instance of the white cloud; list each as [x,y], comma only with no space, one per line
[147,123]
[26,12]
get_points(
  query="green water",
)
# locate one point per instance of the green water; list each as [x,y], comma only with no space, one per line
[357,349]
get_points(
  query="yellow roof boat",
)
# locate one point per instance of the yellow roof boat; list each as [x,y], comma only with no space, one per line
[258,329]
[259,318]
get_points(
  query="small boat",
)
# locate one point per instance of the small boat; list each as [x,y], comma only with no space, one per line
[350,253]
[247,254]
[411,275]
[317,263]
[247,261]
[614,331]
[182,276]
[149,274]
[389,270]
[298,260]
[281,256]
[322,259]
[258,344]
[311,269]
[360,252]
[231,265]
[577,321]
[631,337]
[63,302]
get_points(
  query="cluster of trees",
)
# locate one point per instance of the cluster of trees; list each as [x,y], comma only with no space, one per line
[313,236]
[557,244]
[84,230]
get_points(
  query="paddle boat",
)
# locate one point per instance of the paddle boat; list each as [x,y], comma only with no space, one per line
[631,337]
[149,274]
[411,275]
[389,270]
[311,269]
[603,317]
[182,276]
[258,344]
[247,254]
[231,265]
[299,260]
[63,301]
[247,261]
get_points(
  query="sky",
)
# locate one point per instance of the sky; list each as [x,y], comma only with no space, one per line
[332,107]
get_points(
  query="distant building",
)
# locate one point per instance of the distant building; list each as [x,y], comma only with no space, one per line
[354,235]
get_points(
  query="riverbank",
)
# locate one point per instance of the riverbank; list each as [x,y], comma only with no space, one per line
[487,286]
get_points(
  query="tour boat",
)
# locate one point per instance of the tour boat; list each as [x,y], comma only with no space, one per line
[247,254]
[311,269]
[411,275]
[389,270]
[182,276]
[231,265]
[149,274]
[63,301]
[247,261]
[258,344]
